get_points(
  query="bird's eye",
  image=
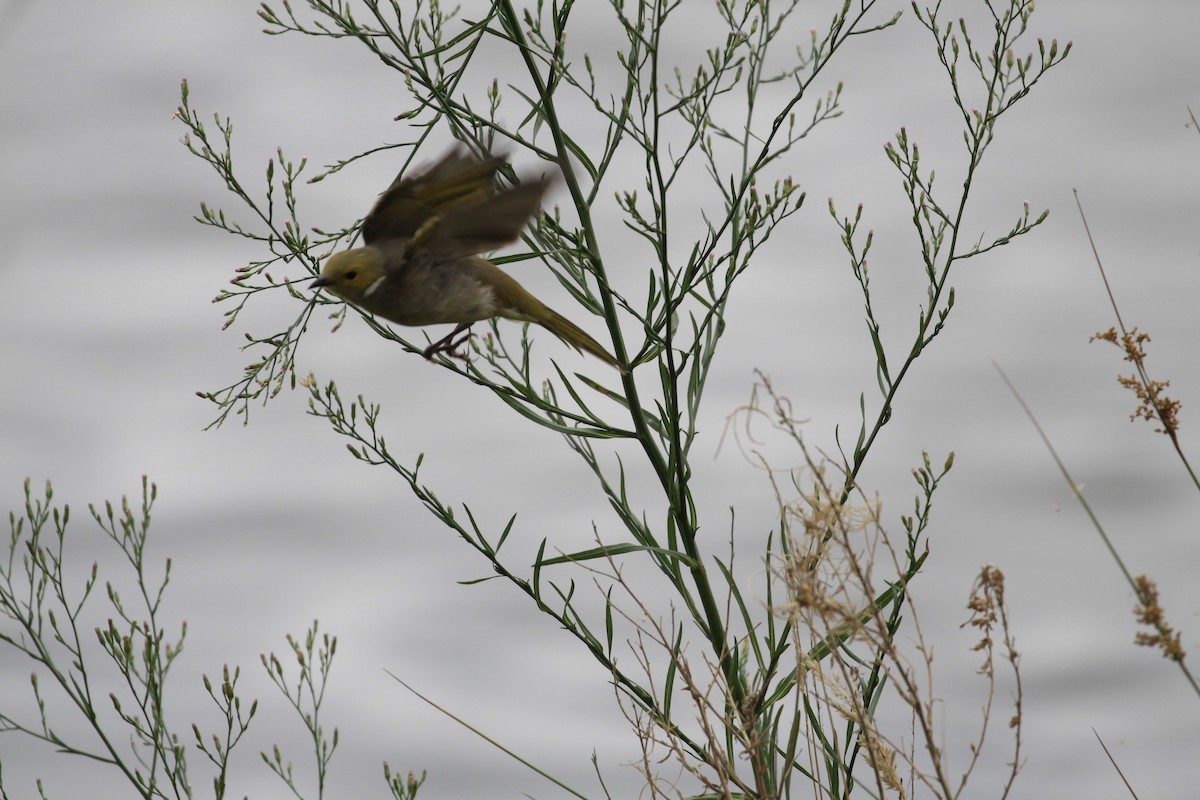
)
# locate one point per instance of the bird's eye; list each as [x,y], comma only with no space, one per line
[351,275]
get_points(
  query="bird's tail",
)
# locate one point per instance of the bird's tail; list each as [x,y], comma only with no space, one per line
[573,335]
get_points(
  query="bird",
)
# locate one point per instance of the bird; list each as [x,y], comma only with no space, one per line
[420,265]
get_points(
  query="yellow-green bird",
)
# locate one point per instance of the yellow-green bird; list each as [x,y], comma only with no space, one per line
[420,265]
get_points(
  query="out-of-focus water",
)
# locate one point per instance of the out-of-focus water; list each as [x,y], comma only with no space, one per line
[106,331]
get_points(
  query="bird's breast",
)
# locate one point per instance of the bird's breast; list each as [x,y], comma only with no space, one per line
[425,292]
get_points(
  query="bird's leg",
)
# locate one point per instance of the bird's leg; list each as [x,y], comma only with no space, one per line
[449,345]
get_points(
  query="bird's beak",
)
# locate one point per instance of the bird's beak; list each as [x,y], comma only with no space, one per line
[319,282]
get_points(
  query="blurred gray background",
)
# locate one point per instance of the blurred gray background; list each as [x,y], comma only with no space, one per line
[106,332]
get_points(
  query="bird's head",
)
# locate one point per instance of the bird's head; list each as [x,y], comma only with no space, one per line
[350,274]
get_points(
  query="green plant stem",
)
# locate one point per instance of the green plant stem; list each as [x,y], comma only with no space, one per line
[674,484]
[1112,549]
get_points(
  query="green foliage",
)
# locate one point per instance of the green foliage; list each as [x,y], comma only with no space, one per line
[746,701]
[677,123]
[117,681]
[45,623]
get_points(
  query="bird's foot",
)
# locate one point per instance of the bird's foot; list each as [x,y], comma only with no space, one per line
[450,345]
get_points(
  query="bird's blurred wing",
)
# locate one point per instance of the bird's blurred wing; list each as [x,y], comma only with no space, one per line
[418,204]
[486,225]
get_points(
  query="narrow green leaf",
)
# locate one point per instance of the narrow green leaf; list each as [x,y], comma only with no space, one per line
[609,550]
[651,420]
